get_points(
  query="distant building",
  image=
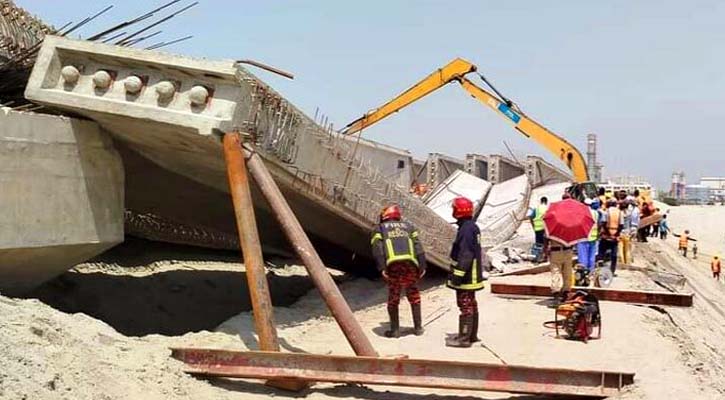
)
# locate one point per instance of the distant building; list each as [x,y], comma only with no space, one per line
[677,189]
[716,186]
[697,194]
[594,169]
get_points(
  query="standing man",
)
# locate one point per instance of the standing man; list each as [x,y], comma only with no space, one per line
[536,215]
[466,273]
[611,230]
[684,242]
[716,267]
[400,259]
[630,222]
[587,251]
[664,227]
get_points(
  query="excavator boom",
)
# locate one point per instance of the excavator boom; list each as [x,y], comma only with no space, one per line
[556,145]
[456,71]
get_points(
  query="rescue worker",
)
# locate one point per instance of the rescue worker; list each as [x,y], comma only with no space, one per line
[466,273]
[716,267]
[630,217]
[684,242]
[587,250]
[602,196]
[400,259]
[611,229]
[536,215]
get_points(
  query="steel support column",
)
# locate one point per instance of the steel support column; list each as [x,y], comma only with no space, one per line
[624,296]
[249,240]
[304,249]
[403,372]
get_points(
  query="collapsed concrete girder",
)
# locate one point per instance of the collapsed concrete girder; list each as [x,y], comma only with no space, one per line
[170,110]
[541,172]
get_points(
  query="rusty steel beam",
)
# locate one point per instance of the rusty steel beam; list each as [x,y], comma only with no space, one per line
[303,247]
[403,372]
[624,296]
[249,241]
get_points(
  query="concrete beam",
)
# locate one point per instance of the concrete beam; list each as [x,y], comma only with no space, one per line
[501,169]
[62,196]
[541,172]
[440,167]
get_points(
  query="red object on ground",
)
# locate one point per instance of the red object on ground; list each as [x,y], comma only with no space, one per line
[568,222]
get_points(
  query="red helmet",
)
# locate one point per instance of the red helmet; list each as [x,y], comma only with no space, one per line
[462,208]
[391,212]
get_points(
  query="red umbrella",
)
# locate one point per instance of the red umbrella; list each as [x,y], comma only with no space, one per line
[568,222]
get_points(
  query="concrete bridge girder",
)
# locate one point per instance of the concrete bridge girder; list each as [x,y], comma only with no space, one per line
[336,192]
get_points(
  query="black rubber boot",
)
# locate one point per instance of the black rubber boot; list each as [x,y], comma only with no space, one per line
[417,319]
[463,339]
[394,331]
[474,329]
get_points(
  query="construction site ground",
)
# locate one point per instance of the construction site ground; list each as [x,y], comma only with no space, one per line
[102,330]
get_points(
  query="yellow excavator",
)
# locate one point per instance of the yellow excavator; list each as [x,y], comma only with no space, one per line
[456,71]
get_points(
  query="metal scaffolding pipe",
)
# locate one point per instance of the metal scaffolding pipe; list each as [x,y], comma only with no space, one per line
[404,372]
[303,247]
[249,241]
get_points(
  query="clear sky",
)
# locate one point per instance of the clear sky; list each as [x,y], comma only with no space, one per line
[646,76]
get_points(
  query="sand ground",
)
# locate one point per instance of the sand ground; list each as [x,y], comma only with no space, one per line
[50,354]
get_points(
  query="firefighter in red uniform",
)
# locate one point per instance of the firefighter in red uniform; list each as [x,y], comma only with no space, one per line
[400,258]
[466,275]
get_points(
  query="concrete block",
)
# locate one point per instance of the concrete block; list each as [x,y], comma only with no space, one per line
[505,206]
[62,196]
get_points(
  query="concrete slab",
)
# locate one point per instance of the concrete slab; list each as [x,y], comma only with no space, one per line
[62,196]
[503,211]
[458,184]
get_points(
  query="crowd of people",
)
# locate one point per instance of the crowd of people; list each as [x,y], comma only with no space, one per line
[620,220]
[617,224]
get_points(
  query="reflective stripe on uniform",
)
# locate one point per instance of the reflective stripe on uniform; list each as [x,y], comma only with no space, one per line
[393,257]
[376,237]
[475,283]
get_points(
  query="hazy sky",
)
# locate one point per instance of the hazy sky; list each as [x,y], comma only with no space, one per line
[646,76]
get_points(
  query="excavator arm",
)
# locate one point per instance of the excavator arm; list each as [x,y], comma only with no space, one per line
[556,145]
[456,71]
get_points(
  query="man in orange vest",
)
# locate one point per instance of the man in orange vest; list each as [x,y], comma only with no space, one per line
[611,229]
[684,239]
[715,266]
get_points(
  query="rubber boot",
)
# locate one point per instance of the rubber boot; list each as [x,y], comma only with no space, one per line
[463,339]
[417,320]
[474,329]
[394,331]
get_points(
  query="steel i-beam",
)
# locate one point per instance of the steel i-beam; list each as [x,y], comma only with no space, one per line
[403,372]
[624,296]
